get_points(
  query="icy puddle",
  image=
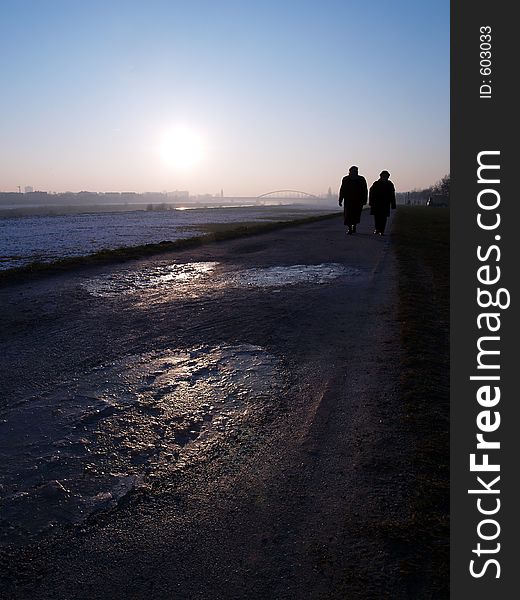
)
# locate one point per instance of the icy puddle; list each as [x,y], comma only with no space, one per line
[292,275]
[128,281]
[83,447]
[193,277]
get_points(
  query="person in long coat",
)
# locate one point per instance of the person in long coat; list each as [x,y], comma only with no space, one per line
[353,194]
[381,199]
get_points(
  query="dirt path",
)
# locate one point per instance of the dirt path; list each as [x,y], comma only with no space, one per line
[225,423]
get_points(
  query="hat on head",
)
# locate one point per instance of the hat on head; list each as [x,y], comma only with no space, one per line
[353,168]
[384,174]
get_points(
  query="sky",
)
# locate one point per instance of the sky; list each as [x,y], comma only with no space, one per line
[240,96]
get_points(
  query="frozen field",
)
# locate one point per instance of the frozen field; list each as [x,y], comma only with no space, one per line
[24,240]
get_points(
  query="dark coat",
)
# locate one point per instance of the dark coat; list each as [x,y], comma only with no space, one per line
[353,193]
[381,198]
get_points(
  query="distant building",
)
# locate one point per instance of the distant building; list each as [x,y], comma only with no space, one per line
[28,189]
[179,194]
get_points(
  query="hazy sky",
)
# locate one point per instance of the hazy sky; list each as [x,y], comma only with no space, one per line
[259,95]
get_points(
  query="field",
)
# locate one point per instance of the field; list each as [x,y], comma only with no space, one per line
[422,247]
[46,239]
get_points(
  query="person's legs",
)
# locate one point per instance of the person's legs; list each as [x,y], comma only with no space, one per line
[346,220]
[382,225]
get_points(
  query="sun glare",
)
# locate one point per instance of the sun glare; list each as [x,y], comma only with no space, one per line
[181,147]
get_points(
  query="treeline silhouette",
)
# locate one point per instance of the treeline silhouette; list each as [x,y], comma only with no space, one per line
[441,188]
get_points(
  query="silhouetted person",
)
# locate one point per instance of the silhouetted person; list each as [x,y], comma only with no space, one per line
[353,193]
[381,198]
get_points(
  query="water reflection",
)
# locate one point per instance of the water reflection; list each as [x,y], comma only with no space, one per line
[195,276]
[131,280]
[292,275]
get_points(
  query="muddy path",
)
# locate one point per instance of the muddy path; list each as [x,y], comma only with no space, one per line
[215,423]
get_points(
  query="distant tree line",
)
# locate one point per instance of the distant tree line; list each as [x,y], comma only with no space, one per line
[441,187]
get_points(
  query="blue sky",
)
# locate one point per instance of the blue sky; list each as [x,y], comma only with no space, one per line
[278,95]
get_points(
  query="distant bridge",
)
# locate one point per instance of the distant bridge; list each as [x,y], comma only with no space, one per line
[287,194]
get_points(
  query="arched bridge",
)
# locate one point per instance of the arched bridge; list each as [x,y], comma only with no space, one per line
[287,194]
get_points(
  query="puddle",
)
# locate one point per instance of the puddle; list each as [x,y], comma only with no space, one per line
[128,281]
[292,275]
[83,447]
[191,277]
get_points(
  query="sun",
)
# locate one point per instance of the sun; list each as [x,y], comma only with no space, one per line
[181,147]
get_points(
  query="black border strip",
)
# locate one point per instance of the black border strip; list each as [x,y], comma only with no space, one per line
[480,124]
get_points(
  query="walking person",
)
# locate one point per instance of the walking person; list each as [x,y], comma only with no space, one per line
[353,193]
[381,199]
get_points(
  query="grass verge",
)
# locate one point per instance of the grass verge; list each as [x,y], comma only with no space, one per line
[422,248]
[215,232]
